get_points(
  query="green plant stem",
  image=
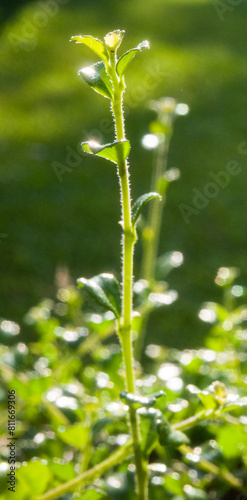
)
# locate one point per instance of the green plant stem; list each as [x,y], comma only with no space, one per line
[191,421]
[128,242]
[90,475]
[151,233]
[151,240]
[204,464]
[214,469]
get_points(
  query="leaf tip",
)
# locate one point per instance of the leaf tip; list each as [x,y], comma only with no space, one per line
[143,45]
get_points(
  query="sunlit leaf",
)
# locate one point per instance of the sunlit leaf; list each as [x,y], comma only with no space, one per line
[168,436]
[63,471]
[112,151]
[96,76]
[93,43]
[140,204]
[146,401]
[105,289]
[128,56]
[35,475]
[233,441]
[234,405]
[75,435]
[207,398]
[174,484]
[148,432]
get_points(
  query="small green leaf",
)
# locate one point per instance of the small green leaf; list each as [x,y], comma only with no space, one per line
[105,289]
[168,436]
[75,435]
[96,76]
[112,151]
[176,438]
[174,484]
[234,405]
[93,43]
[128,56]
[148,431]
[146,401]
[62,471]
[140,204]
[211,397]
[35,475]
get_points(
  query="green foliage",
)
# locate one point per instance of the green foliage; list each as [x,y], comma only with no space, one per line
[97,78]
[78,408]
[110,151]
[93,43]
[126,58]
[105,289]
[140,204]
[71,404]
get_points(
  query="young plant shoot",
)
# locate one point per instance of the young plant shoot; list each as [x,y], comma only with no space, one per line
[107,78]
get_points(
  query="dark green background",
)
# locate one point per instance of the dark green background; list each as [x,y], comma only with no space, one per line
[45,108]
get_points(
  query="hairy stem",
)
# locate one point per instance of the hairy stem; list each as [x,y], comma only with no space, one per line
[152,231]
[128,241]
[214,469]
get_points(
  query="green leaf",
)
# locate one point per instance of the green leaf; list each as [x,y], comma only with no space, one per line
[146,401]
[148,432]
[175,439]
[112,151]
[75,435]
[233,442]
[105,289]
[211,397]
[96,76]
[140,204]
[35,476]
[234,405]
[168,436]
[207,398]
[174,484]
[93,43]
[128,56]
[63,471]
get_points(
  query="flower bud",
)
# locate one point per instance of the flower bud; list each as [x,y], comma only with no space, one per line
[113,40]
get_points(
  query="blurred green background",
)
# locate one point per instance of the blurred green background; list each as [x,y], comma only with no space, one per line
[198,56]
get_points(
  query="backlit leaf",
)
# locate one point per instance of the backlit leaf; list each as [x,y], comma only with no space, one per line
[112,151]
[35,475]
[128,56]
[93,43]
[96,76]
[140,204]
[105,289]
[148,432]
[75,435]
